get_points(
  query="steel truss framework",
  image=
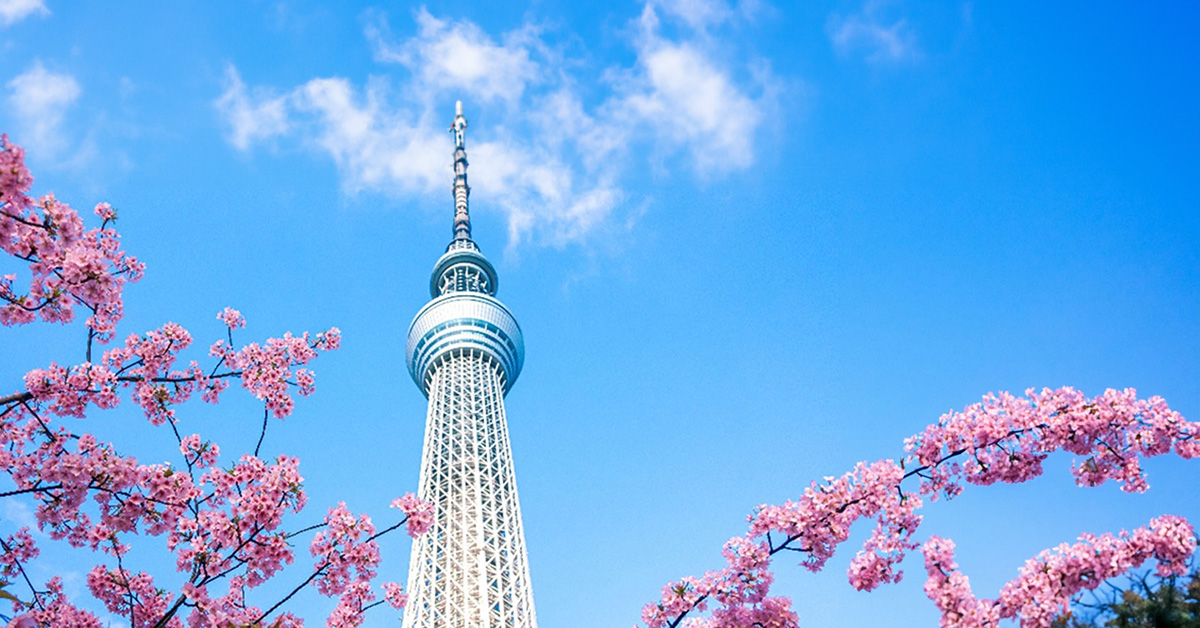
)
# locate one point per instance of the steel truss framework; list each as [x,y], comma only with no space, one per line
[470,569]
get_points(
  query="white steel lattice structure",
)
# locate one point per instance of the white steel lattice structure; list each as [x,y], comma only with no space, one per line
[465,350]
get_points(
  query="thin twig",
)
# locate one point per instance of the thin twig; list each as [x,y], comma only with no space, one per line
[262,434]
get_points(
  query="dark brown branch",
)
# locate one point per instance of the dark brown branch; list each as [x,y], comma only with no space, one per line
[16,398]
[35,489]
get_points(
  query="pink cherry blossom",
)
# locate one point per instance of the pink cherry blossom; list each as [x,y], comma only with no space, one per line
[1047,582]
[68,266]
[228,528]
[1004,438]
[232,318]
[130,595]
[55,611]
[197,452]
[394,594]
[418,513]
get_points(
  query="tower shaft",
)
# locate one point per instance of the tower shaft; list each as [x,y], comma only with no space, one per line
[470,569]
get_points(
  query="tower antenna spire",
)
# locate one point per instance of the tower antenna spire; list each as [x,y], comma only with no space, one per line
[462,191]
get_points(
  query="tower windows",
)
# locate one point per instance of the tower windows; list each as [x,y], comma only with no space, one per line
[464,278]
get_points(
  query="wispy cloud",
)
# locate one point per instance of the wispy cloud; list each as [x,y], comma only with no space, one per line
[13,11]
[455,56]
[39,100]
[697,14]
[680,91]
[556,165]
[881,40]
[375,145]
[250,117]
[20,515]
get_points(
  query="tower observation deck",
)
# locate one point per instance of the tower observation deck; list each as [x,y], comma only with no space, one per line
[465,351]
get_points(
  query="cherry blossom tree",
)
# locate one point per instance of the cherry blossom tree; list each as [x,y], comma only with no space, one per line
[1003,438]
[228,522]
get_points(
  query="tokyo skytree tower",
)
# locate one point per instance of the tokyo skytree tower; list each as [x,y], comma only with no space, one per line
[465,350]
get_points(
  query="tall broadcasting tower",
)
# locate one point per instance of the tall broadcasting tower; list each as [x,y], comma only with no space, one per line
[465,350]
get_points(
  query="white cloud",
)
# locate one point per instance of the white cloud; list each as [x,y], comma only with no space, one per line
[555,164]
[21,515]
[250,117]
[39,100]
[545,198]
[883,42]
[379,146]
[13,11]
[562,123]
[373,145]
[697,14]
[682,92]
[448,55]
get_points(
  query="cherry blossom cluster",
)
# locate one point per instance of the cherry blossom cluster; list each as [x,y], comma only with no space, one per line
[246,534]
[226,525]
[61,471]
[51,608]
[130,595]
[146,363]
[18,549]
[220,522]
[1003,438]
[347,556]
[199,453]
[418,514]
[740,590]
[1006,438]
[394,594]
[267,370]
[67,265]
[1047,582]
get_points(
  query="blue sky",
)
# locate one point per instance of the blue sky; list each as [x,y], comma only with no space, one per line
[748,244]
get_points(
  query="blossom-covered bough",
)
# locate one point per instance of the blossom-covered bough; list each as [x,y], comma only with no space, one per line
[227,526]
[1004,438]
